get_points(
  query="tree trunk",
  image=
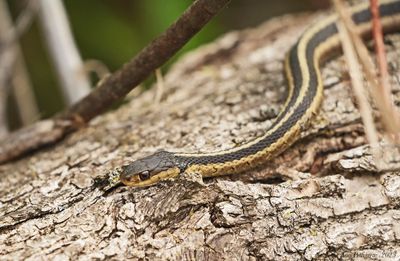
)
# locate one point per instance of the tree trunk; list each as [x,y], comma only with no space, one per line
[321,199]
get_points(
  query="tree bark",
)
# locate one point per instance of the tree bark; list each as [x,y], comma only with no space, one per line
[324,198]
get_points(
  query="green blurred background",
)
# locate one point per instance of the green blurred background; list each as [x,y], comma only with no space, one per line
[113,31]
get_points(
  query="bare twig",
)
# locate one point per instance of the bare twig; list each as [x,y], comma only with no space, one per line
[30,138]
[384,82]
[65,56]
[380,49]
[150,58]
[117,85]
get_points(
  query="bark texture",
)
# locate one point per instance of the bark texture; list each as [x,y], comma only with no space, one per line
[323,198]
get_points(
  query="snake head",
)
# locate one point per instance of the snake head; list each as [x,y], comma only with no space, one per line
[149,170]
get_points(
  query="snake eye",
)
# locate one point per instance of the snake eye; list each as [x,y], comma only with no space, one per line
[144,175]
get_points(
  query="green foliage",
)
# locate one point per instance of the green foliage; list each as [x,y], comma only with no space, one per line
[114,31]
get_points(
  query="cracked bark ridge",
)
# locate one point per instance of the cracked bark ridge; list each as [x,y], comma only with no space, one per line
[338,204]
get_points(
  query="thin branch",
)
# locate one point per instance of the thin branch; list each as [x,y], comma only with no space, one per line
[380,49]
[65,56]
[384,78]
[117,85]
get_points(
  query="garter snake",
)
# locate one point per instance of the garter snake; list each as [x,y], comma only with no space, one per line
[305,94]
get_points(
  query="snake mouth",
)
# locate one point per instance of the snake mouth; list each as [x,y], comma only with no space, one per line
[131,180]
[135,180]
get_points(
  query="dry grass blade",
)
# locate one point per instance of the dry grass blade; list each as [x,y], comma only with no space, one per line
[160,86]
[356,78]
[100,69]
[357,83]
[389,114]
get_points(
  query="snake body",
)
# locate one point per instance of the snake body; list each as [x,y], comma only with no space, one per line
[304,97]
